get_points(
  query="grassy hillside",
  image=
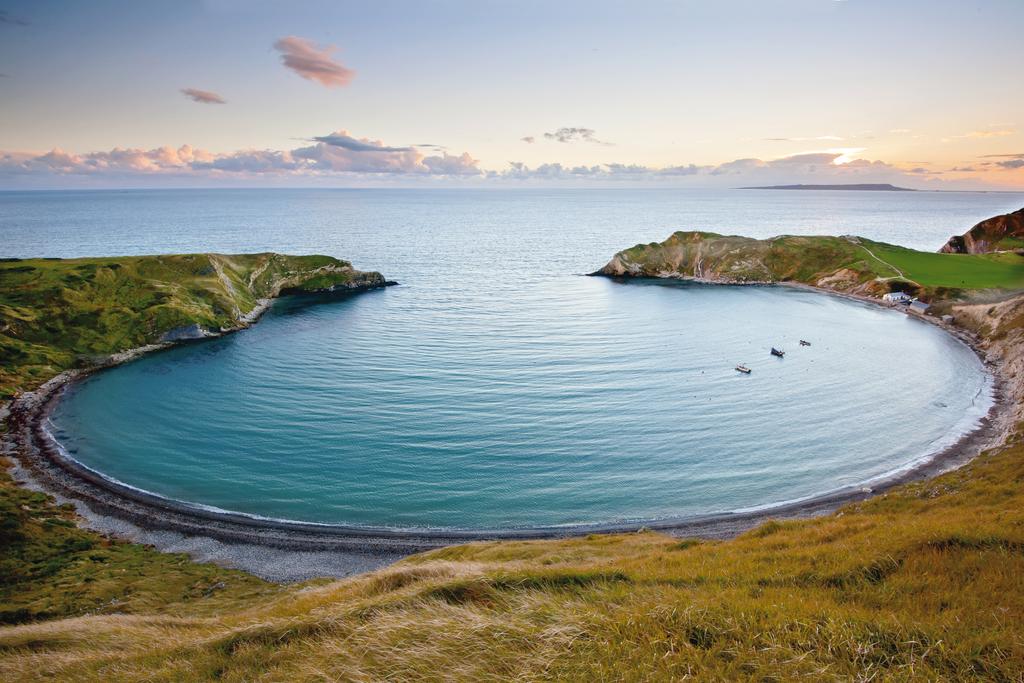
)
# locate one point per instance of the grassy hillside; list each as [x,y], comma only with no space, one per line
[923,583]
[954,271]
[57,314]
[926,583]
[50,568]
[841,263]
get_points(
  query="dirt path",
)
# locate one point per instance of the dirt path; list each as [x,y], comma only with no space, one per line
[899,273]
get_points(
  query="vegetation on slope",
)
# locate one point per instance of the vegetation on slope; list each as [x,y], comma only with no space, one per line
[925,582]
[57,314]
[51,568]
[849,264]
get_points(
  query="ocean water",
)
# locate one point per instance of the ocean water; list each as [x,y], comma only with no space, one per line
[498,387]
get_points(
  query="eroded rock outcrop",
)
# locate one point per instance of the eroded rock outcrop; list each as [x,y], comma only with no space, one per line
[837,263]
[999,233]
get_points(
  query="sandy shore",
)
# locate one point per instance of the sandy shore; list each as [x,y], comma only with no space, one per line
[291,551]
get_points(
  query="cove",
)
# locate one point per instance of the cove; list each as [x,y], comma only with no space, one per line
[567,401]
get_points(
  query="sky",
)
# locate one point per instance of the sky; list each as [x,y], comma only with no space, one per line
[920,93]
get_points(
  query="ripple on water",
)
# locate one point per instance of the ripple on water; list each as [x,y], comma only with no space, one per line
[575,400]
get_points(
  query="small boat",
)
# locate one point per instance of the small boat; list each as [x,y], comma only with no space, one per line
[776,352]
[804,343]
[743,368]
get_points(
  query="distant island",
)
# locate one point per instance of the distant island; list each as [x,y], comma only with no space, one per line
[871,187]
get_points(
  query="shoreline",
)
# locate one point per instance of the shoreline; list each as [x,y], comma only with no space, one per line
[285,551]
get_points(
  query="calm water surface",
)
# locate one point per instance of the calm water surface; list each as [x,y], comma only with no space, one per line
[497,387]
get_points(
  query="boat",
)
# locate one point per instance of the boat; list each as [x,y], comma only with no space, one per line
[743,368]
[804,343]
[777,352]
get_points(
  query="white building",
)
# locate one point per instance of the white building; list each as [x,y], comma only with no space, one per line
[896,298]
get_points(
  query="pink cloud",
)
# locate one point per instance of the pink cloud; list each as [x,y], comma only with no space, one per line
[355,156]
[203,96]
[450,164]
[342,155]
[313,63]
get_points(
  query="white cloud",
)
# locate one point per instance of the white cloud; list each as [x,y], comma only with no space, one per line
[566,135]
[989,133]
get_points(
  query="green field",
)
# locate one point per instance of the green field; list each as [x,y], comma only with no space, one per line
[957,271]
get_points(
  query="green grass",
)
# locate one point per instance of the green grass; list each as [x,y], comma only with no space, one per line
[957,271]
[1010,243]
[925,582]
[50,568]
[855,265]
[57,314]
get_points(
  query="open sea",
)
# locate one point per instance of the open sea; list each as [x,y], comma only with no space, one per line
[495,386]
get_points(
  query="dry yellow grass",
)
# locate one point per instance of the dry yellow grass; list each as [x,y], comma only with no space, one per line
[923,583]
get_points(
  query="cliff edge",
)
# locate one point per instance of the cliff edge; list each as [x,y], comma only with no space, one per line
[59,314]
[999,233]
[853,265]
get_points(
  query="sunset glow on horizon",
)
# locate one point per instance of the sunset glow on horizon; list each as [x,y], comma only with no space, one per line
[678,94]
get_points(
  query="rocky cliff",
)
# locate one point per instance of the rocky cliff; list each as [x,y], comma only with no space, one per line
[999,233]
[838,263]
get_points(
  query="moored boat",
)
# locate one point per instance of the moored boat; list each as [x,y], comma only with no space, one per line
[743,368]
[804,343]
[777,352]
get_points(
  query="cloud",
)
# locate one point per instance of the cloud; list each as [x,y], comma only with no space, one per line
[341,157]
[517,170]
[313,63]
[251,162]
[341,139]
[832,166]
[1009,161]
[203,96]
[451,165]
[690,169]
[335,154]
[986,133]
[806,139]
[529,139]
[575,134]
[8,18]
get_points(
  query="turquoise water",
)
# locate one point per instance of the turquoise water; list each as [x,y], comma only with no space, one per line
[496,386]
